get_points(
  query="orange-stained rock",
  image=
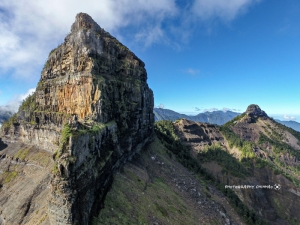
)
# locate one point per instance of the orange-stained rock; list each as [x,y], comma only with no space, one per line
[93,110]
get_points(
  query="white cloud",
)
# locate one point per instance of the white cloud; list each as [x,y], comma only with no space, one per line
[223,9]
[161,106]
[210,110]
[30,29]
[286,117]
[14,103]
[154,35]
[191,71]
[225,109]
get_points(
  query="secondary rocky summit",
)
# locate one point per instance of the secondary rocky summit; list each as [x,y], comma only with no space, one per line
[93,110]
[254,111]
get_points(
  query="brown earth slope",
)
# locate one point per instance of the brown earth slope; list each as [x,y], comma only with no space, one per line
[25,173]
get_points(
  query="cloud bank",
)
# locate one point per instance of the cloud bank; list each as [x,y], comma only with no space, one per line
[225,10]
[191,71]
[30,29]
[225,109]
[14,103]
[286,117]
[160,106]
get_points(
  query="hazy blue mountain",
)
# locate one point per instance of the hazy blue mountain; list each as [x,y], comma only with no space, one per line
[292,124]
[215,117]
[167,114]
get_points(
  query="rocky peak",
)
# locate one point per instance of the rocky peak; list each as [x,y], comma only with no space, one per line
[85,21]
[254,111]
[93,110]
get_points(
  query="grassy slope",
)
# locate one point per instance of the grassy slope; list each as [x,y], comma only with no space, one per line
[142,194]
[271,137]
[145,193]
[138,197]
[25,172]
[279,147]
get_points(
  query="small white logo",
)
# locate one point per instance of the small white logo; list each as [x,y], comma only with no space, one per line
[277,186]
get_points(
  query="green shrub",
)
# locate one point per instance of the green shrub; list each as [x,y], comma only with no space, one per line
[9,176]
[218,154]
[234,120]
[234,140]
[65,135]
[29,103]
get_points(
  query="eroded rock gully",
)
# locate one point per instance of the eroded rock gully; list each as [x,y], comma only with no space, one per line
[93,110]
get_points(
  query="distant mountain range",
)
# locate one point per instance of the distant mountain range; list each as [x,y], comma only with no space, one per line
[292,124]
[216,117]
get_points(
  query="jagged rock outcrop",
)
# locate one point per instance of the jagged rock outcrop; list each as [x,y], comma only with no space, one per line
[94,110]
[197,135]
[253,112]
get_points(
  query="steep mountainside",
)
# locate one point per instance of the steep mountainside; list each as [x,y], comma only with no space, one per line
[242,170]
[252,149]
[92,111]
[25,172]
[154,188]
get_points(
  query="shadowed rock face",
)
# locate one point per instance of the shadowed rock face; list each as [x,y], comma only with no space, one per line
[94,110]
[255,111]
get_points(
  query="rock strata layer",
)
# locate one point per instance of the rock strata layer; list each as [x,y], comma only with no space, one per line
[93,110]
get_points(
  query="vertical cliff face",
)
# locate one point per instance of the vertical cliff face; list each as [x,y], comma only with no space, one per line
[93,110]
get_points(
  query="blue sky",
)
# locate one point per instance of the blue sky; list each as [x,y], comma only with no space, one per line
[199,54]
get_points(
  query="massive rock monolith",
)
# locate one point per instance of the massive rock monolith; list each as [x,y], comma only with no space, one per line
[93,110]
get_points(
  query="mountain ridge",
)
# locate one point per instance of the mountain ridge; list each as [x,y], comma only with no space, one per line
[210,117]
[251,149]
[216,117]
